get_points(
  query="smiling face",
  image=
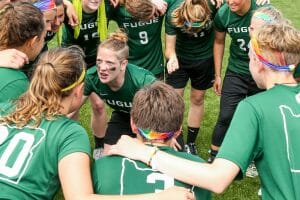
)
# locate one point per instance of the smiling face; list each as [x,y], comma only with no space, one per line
[59,18]
[49,16]
[90,6]
[108,66]
[237,5]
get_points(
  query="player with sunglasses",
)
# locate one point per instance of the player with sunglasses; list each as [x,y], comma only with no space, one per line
[115,82]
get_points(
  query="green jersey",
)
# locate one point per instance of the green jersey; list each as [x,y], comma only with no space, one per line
[265,127]
[88,38]
[29,157]
[195,46]
[13,84]
[121,100]
[120,175]
[144,38]
[238,28]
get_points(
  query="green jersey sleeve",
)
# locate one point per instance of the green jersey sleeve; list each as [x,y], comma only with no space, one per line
[89,81]
[75,140]
[242,137]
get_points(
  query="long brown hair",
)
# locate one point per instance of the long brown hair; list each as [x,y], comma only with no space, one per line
[19,22]
[56,69]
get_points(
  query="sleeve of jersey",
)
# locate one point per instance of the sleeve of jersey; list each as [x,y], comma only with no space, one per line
[88,83]
[170,29]
[74,139]
[241,140]
[15,89]
[218,21]
[149,78]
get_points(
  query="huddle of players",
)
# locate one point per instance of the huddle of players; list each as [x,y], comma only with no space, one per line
[116,80]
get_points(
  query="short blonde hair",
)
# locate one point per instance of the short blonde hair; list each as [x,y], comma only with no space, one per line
[279,43]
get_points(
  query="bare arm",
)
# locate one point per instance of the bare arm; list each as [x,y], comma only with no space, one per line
[219,45]
[71,13]
[75,177]
[215,177]
[170,53]
[12,58]
[99,117]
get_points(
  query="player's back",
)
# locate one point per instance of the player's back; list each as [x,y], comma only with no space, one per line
[120,175]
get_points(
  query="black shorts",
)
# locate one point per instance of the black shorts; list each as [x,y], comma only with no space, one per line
[201,73]
[119,124]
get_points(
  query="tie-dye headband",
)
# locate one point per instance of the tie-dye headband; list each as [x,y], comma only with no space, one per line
[154,135]
[283,68]
[45,5]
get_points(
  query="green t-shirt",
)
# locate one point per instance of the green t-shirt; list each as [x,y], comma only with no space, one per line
[195,46]
[238,28]
[144,38]
[29,157]
[121,100]
[88,38]
[120,175]
[266,128]
[13,83]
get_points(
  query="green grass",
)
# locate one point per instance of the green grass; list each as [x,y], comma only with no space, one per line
[248,187]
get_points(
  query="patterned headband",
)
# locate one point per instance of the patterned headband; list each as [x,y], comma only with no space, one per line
[154,135]
[283,68]
[45,5]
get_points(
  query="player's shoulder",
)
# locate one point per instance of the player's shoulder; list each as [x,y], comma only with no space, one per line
[91,71]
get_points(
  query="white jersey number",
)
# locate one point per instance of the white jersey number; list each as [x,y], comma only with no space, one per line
[153,177]
[242,44]
[21,138]
[143,37]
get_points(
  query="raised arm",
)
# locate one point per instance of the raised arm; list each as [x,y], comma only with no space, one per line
[71,13]
[219,45]
[12,58]
[215,177]
[75,177]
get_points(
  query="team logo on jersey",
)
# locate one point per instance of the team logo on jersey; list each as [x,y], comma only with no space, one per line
[140,23]
[147,178]
[244,29]
[291,123]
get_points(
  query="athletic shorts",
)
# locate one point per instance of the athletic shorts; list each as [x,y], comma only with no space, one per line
[201,73]
[119,124]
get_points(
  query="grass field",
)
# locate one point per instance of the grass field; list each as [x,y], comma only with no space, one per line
[248,187]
